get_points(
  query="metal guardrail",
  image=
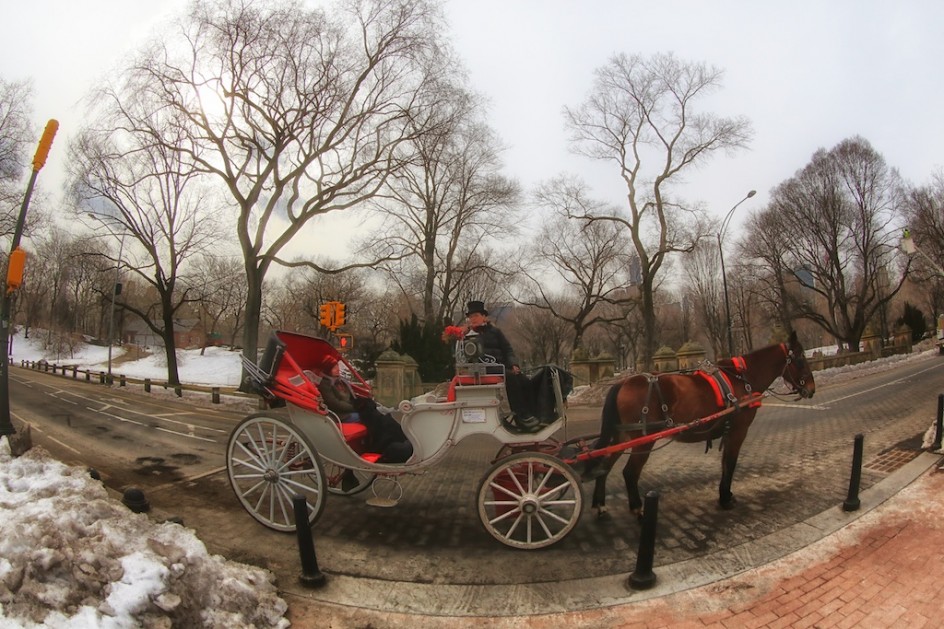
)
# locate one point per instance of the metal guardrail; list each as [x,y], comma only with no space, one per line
[101,377]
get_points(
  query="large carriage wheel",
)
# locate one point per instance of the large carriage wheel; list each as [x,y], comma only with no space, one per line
[269,461]
[335,479]
[529,500]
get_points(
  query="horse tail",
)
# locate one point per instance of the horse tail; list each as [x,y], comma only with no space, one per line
[610,419]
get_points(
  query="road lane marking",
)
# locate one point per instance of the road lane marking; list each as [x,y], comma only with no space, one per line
[159,417]
[64,445]
[814,407]
[183,434]
[47,436]
[881,386]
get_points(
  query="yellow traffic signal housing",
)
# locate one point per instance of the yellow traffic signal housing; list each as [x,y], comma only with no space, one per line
[325,315]
[338,314]
[45,142]
[15,269]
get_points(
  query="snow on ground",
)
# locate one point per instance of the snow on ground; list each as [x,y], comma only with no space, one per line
[218,366]
[71,557]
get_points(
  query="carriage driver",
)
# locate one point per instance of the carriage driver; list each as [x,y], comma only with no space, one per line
[495,344]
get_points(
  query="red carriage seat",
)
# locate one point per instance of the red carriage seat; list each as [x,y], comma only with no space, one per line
[471,380]
[281,374]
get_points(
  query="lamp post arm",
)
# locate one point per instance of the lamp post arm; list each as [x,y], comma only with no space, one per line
[724,275]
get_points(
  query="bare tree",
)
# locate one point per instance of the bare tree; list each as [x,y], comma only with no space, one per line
[222,295]
[924,212]
[641,116]
[298,112]
[704,287]
[542,337]
[141,192]
[838,231]
[445,203]
[16,134]
[591,258]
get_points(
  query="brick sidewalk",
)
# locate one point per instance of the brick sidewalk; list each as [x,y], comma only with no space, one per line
[881,571]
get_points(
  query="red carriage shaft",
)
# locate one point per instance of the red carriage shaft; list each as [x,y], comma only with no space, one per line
[753,399]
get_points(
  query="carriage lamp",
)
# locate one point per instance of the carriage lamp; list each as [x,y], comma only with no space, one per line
[472,347]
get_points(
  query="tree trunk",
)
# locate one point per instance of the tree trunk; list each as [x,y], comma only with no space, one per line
[253,317]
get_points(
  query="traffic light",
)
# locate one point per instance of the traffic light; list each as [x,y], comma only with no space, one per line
[15,269]
[345,342]
[338,314]
[325,315]
[45,142]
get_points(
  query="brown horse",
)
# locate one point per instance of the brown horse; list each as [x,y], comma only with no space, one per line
[646,404]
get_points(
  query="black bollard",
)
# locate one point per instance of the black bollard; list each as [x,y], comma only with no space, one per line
[939,423]
[852,500]
[643,577]
[311,576]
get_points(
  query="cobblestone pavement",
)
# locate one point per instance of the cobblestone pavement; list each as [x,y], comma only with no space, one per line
[428,562]
[794,465]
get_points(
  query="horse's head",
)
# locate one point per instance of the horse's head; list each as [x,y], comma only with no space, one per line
[796,371]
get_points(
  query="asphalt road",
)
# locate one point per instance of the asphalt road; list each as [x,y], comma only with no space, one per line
[795,463]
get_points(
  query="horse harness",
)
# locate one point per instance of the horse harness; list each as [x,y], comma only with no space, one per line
[721,385]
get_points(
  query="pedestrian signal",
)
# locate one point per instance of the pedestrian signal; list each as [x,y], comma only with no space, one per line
[345,342]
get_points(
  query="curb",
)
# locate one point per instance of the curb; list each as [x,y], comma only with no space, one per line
[572,595]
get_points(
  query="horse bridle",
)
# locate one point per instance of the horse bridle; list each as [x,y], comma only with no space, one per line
[800,360]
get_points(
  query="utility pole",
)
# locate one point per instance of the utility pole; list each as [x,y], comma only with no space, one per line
[15,265]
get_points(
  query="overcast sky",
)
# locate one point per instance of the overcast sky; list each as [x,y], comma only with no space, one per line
[808,74]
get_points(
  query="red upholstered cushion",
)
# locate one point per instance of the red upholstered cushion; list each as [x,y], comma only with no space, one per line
[353,431]
[469,381]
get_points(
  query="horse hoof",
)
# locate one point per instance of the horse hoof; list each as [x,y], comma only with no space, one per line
[728,504]
[604,516]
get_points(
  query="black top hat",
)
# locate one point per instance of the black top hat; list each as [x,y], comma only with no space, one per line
[476,306]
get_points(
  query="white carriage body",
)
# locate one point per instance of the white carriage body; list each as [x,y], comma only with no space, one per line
[528,499]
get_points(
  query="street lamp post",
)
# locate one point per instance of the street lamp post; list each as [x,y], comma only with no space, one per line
[724,275]
[114,289]
[114,295]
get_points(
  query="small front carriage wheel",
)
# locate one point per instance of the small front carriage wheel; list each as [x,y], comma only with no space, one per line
[529,500]
[269,462]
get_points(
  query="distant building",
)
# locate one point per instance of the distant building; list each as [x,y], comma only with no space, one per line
[187,333]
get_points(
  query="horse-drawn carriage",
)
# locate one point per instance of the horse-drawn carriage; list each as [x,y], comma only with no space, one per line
[531,495]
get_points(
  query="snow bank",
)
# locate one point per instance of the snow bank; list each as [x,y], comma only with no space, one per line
[70,557]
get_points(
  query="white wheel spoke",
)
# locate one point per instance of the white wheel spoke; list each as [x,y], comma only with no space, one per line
[545,508]
[268,462]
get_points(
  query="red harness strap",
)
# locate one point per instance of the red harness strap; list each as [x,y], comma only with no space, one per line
[719,381]
[716,380]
